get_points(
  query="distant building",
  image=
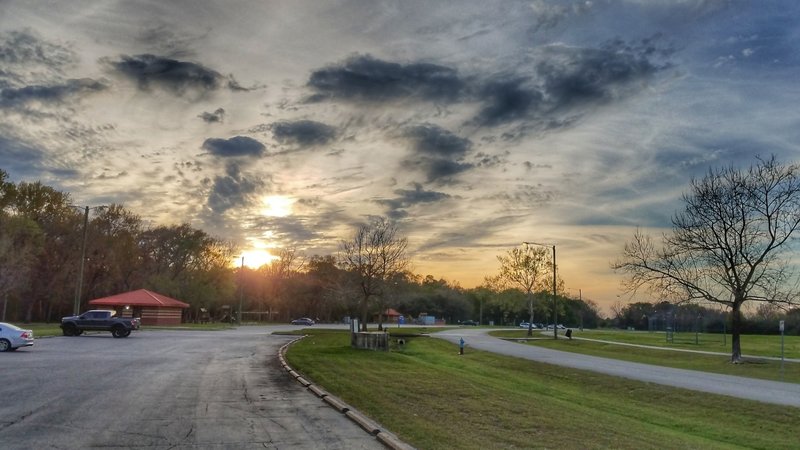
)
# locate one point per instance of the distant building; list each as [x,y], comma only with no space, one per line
[152,308]
[390,316]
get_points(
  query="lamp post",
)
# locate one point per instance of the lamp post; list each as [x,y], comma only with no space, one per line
[555,286]
[241,291]
[76,308]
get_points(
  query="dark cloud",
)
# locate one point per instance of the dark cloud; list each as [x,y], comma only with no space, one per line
[438,152]
[365,78]
[303,132]
[213,117]
[578,76]
[171,74]
[232,190]
[235,146]
[506,100]
[49,94]
[407,198]
[558,80]
[433,140]
[438,170]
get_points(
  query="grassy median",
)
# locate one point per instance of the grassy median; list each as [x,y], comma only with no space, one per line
[435,399]
[754,367]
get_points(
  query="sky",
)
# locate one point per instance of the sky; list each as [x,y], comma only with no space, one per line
[474,125]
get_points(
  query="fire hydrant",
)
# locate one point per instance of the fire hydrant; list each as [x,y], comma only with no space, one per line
[461,346]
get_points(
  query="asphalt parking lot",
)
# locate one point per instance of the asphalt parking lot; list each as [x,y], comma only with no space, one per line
[164,389]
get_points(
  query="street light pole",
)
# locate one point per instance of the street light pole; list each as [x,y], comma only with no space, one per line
[76,309]
[241,290]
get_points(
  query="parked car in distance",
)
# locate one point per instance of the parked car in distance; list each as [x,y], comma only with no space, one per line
[525,325]
[303,321]
[13,337]
[470,322]
[560,327]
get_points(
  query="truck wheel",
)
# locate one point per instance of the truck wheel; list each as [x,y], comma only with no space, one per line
[70,330]
[5,345]
[120,332]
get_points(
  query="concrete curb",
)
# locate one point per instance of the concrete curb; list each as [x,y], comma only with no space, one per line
[383,436]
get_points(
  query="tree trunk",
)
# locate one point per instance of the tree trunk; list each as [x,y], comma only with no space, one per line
[364,312]
[736,330]
[530,310]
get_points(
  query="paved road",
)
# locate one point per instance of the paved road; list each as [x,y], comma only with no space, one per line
[747,388]
[164,389]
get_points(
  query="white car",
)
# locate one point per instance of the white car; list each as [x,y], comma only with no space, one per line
[13,337]
[525,325]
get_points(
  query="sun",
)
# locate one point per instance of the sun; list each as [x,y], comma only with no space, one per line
[277,206]
[255,258]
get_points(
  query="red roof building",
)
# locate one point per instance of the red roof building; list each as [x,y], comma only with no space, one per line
[152,308]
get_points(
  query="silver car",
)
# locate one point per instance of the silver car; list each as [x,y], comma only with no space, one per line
[13,337]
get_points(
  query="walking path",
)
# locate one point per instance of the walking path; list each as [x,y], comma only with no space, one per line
[747,388]
[686,350]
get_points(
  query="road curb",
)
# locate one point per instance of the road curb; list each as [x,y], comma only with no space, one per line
[385,437]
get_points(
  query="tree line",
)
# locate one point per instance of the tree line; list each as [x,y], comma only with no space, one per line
[42,245]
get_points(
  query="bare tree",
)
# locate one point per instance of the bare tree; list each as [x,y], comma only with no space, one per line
[729,244]
[373,255]
[526,268]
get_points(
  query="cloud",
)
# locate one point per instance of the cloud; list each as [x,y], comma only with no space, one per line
[49,94]
[170,74]
[235,146]
[364,78]
[232,190]
[213,117]
[506,100]
[439,153]
[408,198]
[429,139]
[27,59]
[303,132]
[574,76]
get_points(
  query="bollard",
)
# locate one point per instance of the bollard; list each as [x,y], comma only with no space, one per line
[460,346]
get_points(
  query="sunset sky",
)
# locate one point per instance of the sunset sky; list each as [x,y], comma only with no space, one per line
[475,125]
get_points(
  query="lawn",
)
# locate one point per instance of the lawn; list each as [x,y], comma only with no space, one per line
[434,399]
[754,367]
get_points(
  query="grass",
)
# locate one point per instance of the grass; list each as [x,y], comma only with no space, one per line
[435,399]
[753,367]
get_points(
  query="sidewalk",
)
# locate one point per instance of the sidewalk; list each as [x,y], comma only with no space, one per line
[747,388]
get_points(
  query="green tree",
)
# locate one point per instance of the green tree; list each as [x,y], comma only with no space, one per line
[528,269]
[21,243]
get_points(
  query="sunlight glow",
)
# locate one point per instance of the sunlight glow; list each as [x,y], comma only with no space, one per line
[255,258]
[277,206]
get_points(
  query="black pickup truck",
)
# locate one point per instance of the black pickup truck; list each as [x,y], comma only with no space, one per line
[99,320]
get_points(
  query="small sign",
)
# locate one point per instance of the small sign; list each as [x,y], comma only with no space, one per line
[781,326]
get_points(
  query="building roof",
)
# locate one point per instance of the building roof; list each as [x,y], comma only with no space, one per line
[142,297]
